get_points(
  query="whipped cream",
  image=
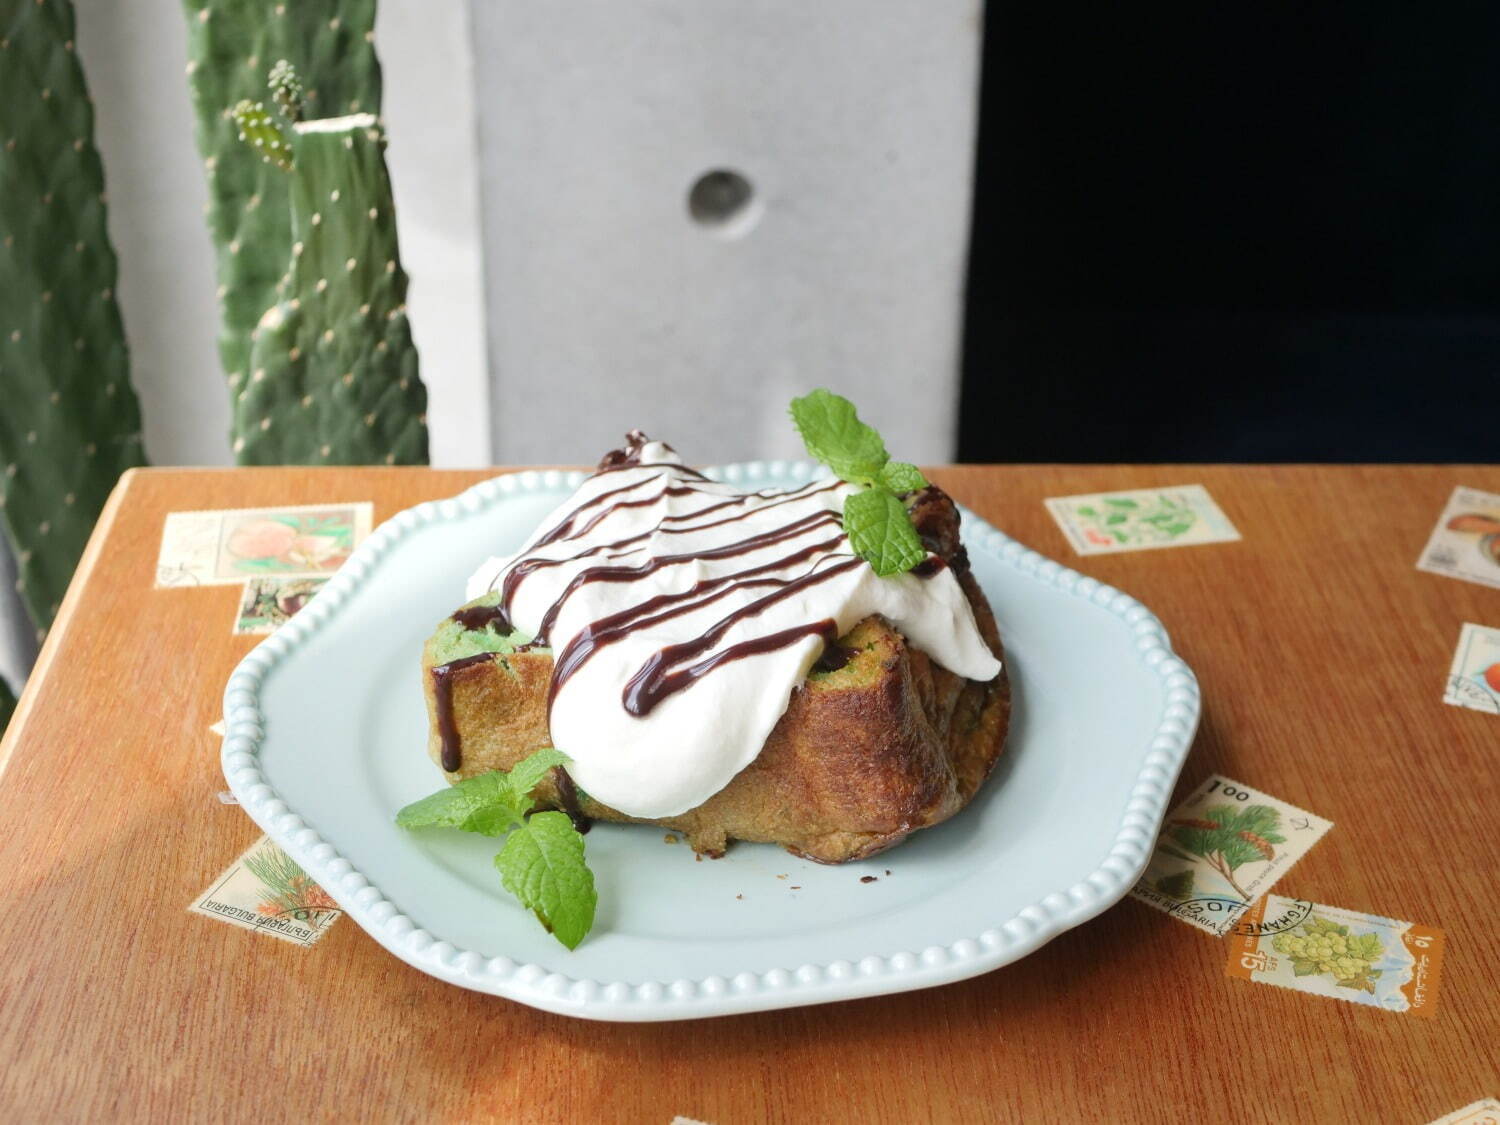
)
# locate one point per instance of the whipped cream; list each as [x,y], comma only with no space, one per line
[683,613]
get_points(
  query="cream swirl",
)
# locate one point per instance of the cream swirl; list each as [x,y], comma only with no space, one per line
[683,613]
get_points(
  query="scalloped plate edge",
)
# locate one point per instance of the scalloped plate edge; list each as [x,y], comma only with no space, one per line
[873,975]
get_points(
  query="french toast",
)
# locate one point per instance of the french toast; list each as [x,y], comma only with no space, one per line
[878,742]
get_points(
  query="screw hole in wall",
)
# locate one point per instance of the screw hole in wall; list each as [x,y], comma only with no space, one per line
[723,202]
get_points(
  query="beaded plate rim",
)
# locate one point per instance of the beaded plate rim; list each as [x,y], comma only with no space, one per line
[965,956]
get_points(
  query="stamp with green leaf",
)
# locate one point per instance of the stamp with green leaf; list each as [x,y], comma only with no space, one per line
[1223,848]
[1109,522]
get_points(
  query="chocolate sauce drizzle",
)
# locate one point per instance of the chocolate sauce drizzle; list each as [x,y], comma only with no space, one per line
[651,566]
[476,617]
[520,570]
[599,633]
[567,800]
[442,689]
[654,682]
[657,679]
[629,457]
[929,566]
[833,658]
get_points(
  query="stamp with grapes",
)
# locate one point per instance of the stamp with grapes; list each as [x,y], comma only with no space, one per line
[1362,958]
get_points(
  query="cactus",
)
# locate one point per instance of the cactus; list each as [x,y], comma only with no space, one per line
[286,90]
[333,372]
[231,45]
[260,131]
[70,422]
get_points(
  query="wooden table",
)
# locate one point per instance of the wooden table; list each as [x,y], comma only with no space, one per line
[1322,654]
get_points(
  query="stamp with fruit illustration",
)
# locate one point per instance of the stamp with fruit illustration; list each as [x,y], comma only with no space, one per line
[229,547]
[1343,954]
[1465,543]
[1474,678]
[269,603]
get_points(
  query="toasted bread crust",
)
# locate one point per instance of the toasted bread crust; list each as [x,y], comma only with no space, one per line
[862,757]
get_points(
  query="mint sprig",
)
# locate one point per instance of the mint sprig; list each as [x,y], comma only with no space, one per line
[878,525]
[542,860]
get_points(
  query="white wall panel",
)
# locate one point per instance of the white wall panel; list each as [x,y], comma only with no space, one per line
[610,307]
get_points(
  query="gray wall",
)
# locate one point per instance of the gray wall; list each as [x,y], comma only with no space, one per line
[610,307]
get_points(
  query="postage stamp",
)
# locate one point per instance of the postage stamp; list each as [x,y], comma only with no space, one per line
[269,603]
[1108,522]
[229,547]
[1221,849]
[265,891]
[1474,679]
[1362,958]
[1466,541]
[1486,1111]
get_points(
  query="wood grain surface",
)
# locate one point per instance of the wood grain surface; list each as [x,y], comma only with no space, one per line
[1322,654]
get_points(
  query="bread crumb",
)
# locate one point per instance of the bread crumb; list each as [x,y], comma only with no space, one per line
[739,896]
[671,839]
[795,887]
[867,878]
[781,876]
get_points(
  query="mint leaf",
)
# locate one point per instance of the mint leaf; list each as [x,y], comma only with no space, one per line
[452,807]
[542,864]
[496,820]
[487,804]
[880,531]
[525,775]
[833,434]
[899,476]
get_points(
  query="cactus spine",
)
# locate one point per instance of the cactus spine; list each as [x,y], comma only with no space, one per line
[333,372]
[232,44]
[70,423]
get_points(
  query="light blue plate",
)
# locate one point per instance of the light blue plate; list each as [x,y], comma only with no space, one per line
[327,733]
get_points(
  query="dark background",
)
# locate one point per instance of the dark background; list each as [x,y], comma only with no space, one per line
[1220,234]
